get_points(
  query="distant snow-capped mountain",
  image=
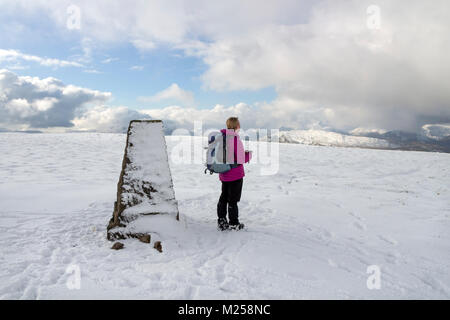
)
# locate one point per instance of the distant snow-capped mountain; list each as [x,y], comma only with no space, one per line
[433,139]
[328,138]
[366,132]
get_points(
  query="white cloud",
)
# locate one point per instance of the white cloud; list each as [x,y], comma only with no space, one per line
[92,71]
[42,103]
[137,68]
[106,119]
[16,67]
[23,109]
[326,65]
[33,103]
[46,104]
[109,60]
[20,107]
[147,24]
[336,66]
[144,45]
[259,116]
[172,93]
[215,117]
[16,56]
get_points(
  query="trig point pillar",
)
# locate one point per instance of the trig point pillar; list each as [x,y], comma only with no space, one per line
[145,197]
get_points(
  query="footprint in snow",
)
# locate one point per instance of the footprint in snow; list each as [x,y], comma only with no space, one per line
[388,239]
[354,215]
[393,258]
[360,226]
[331,263]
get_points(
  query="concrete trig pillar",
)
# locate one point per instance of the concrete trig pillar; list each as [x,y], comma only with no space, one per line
[145,187]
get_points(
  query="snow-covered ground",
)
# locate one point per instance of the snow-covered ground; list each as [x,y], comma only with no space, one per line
[313,228]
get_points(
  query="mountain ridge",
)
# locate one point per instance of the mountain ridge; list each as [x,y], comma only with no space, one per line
[373,139]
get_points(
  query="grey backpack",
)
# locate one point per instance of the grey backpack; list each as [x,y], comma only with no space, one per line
[216,154]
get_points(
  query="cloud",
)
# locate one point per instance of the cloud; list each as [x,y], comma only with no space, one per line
[336,66]
[137,68]
[326,65]
[107,119]
[258,116]
[148,24]
[92,71]
[215,117]
[144,45]
[251,117]
[30,102]
[87,47]
[109,60]
[172,93]
[17,56]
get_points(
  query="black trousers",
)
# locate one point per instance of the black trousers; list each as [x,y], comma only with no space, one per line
[231,195]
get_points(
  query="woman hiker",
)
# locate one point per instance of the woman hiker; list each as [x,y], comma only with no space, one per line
[232,180]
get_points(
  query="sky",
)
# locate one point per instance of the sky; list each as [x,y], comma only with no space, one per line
[329,64]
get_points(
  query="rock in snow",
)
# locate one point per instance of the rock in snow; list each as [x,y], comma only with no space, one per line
[146,238]
[158,246]
[117,246]
[145,185]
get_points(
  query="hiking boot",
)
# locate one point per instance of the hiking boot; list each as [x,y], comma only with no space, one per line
[236,227]
[222,224]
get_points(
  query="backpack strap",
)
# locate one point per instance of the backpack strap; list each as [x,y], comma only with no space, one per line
[235,150]
[235,164]
[224,147]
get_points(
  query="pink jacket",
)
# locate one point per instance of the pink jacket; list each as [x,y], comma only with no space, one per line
[240,155]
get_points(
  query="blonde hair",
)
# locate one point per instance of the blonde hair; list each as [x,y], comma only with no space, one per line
[233,123]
